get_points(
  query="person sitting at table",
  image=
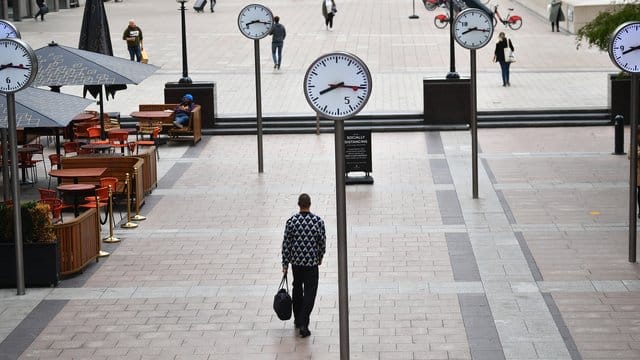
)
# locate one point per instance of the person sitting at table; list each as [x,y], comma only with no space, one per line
[183,110]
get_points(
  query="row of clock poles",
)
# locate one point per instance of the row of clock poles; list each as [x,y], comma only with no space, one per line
[18,69]
[337,86]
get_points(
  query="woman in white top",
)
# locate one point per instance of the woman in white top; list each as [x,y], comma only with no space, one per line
[329,10]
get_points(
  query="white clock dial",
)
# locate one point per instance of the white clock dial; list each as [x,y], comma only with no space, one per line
[255,21]
[624,47]
[337,85]
[472,28]
[18,65]
[8,30]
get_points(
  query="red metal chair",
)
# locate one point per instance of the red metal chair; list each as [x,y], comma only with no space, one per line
[54,160]
[71,147]
[99,200]
[25,161]
[51,194]
[155,136]
[55,206]
[95,134]
[39,150]
[119,139]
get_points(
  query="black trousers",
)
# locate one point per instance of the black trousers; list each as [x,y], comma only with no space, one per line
[305,287]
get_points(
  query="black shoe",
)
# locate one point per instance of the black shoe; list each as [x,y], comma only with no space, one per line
[304,332]
[278,67]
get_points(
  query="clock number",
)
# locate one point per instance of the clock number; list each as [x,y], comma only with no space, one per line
[347,100]
[8,80]
[621,47]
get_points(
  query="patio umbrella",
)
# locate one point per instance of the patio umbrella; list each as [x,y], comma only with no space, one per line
[60,65]
[37,108]
[95,36]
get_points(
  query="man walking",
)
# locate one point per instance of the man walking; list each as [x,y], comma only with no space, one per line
[303,247]
[133,35]
[278,34]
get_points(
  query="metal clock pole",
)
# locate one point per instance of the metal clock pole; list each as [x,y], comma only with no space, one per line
[633,167]
[256,49]
[452,52]
[5,163]
[414,16]
[341,218]
[17,216]
[474,126]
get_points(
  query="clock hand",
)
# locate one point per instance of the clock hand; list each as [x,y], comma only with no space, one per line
[10,65]
[255,22]
[332,87]
[470,30]
[631,49]
[353,87]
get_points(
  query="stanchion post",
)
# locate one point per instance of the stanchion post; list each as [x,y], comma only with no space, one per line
[128,224]
[618,124]
[137,216]
[111,238]
[101,253]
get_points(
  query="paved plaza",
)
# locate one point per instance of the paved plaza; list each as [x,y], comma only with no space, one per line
[536,268]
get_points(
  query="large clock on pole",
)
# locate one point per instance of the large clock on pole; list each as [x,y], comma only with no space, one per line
[18,65]
[337,85]
[624,47]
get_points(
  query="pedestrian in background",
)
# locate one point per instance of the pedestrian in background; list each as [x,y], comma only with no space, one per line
[42,9]
[555,14]
[278,33]
[329,10]
[213,4]
[133,35]
[303,247]
[503,59]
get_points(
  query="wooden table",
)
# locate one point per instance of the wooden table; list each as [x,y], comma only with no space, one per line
[75,174]
[97,147]
[149,119]
[76,190]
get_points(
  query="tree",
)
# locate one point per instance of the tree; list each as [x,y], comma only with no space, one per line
[597,32]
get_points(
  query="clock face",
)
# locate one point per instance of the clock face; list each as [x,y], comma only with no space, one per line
[8,30]
[18,65]
[255,21]
[472,28]
[337,85]
[624,47]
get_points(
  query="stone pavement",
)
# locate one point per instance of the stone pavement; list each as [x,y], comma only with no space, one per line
[534,269]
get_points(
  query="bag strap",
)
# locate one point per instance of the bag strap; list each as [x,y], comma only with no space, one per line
[285,281]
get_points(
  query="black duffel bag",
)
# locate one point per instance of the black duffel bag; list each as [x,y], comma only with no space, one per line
[282,301]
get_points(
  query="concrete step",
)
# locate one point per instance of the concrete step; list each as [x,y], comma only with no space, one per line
[304,124]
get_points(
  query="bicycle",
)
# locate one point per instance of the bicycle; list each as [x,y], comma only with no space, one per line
[431,5]
[513,21]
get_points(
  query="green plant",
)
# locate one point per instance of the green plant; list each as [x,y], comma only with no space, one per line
[597,32]
[36,223]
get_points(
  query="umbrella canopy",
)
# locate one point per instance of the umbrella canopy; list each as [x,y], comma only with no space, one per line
[37,108]
[60,65]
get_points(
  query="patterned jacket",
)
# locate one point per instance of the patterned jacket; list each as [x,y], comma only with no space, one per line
[304,241]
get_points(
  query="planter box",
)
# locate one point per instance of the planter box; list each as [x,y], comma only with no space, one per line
[41,265]
[79,240]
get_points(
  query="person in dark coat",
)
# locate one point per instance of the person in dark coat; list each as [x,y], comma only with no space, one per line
[278,33]
[498,56]
[42,9]
[555,14]
[303,247]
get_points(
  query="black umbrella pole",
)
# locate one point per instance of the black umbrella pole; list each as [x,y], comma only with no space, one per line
[103,134]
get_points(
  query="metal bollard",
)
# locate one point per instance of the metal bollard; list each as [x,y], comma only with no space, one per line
[618,123]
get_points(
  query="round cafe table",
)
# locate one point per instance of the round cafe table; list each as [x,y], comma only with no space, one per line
[76,190]
[97,147]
